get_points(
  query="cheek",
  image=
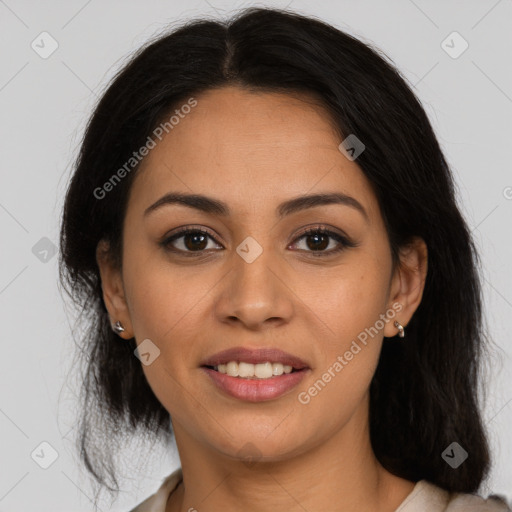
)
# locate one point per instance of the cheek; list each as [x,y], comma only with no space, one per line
[166,306]
[348,309]
[349,354]
[161,298]
[163,309]
[345,301]
[359,303]
[352,353]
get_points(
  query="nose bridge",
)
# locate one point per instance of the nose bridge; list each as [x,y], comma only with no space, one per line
[255,291]
[253,275]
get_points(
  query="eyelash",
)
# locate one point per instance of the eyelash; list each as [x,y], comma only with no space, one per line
[342,240]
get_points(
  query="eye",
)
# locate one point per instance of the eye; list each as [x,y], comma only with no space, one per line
[319,238]
[188,241]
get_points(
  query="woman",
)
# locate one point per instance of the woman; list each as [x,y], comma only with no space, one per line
[262,231]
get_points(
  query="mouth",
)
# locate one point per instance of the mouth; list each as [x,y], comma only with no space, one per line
[255,375]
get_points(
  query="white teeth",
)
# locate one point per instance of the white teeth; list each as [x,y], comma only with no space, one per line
[247,370]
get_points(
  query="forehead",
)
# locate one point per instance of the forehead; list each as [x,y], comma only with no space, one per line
[250,148]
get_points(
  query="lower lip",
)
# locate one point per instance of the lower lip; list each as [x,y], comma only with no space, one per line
[256,390]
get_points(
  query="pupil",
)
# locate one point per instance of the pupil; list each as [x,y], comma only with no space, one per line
[316,245]
[195,237]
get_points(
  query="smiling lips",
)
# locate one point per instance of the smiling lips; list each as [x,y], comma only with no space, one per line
[255,375]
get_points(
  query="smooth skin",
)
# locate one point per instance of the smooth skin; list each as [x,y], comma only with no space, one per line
[253,151]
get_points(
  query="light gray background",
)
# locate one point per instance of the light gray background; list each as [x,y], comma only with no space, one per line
[44,106]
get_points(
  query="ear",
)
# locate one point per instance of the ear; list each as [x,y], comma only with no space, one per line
[407,283]
[113,289]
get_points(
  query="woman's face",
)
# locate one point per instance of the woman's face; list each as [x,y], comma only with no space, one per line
[254,280]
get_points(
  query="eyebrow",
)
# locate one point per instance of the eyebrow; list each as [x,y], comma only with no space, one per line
[216,207]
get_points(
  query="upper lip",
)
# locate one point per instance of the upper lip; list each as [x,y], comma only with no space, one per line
[255,356]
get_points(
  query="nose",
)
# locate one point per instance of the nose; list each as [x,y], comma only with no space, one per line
[255,293]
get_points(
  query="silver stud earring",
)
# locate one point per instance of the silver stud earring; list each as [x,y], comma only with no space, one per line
[400,328]
[118,328]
